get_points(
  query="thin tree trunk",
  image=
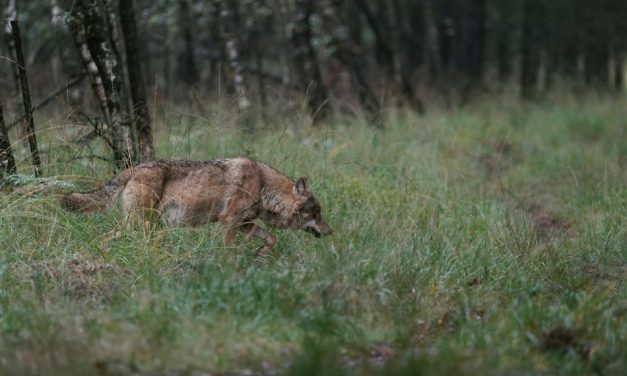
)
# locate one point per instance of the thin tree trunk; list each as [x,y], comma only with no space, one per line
[138,89]
[431,48]
[30,124]
[101,51]
[187,70]
[596,57]
[476,46]
[530,49]
[79,35]
[619,70]
[125,96]
[383,51]
[348,56]
[232,52]
[391,19]
[6,153]
[400,75]
[306,63]
[257,46]
[285,58]
[56,58]
[9,13]
[112,27]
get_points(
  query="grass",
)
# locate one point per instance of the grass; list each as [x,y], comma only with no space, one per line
[485,240]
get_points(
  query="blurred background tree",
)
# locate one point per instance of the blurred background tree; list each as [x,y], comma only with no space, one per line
[329,56]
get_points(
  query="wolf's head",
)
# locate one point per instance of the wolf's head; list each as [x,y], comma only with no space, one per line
[308,211]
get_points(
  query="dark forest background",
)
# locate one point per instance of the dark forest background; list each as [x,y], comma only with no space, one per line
[357,56]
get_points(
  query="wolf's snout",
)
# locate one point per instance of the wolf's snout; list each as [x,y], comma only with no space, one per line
[318,229]
[326,230]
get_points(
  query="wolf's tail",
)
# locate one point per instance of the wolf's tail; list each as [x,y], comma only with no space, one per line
[97,200]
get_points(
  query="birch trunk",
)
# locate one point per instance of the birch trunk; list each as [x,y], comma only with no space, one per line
[109,70]
[9,13]
[79,35]
[232,52]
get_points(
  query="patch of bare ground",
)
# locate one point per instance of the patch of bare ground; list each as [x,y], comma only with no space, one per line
[606,277]
[562,339]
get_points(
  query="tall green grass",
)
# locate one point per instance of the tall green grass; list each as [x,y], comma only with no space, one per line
[485,240]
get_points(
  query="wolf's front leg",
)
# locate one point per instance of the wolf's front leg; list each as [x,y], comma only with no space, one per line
[267,237]
[251,230]
[269,240]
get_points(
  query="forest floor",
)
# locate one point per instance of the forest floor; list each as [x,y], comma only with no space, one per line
[487,240]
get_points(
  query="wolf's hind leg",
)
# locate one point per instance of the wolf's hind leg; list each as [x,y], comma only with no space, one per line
[140,202]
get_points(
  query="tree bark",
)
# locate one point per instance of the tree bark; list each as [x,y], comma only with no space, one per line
[28,111]
[109,70]
[136,80]
[306,63]
[6,153]
[79,35]
[9,13]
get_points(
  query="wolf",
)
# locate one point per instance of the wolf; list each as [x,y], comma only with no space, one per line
[237,192]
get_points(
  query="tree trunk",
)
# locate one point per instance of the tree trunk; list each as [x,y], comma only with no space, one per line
[306,63]
[6,153]
[382,48]
[504,56]
[186,68]
[530,48]
[400,75]
[79,35]
[109,71]
[596,59]
[476,44]
[136,80]
[619,70]
[432,58]
[9,13]
[28,111]
[232,52]
[345,52]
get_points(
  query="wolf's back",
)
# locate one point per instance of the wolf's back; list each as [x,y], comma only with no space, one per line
[96,200]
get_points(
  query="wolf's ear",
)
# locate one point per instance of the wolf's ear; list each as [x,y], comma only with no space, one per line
[300,187]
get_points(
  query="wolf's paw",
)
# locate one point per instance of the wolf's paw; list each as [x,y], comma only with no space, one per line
[263,251]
